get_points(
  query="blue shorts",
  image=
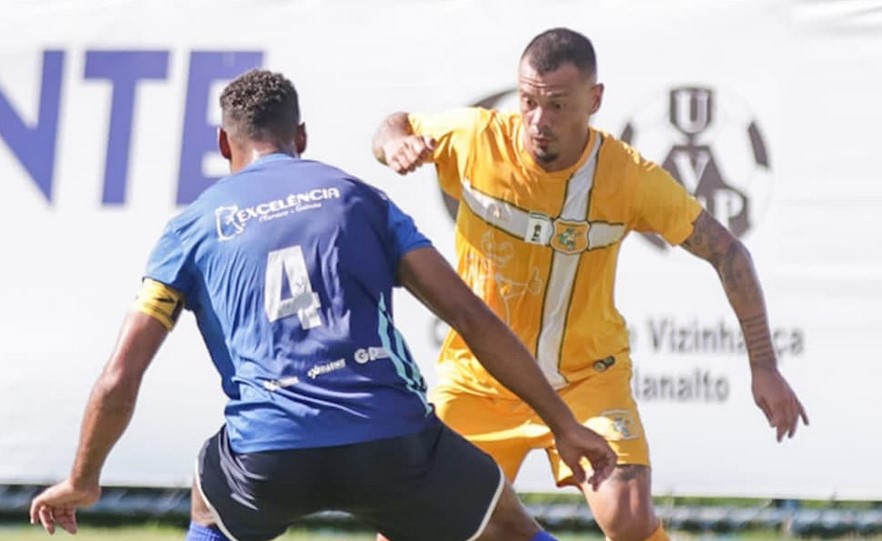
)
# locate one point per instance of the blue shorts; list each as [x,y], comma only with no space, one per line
[429,486]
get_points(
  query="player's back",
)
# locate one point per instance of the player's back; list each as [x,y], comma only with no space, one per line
[292,268]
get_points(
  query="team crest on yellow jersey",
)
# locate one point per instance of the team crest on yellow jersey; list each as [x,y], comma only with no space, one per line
[570,237]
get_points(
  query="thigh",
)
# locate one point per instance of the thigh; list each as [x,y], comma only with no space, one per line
[433,486]
[495,426]
[604,403]
[255,497]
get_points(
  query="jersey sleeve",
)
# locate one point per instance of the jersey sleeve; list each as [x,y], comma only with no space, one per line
[661,204]
[168,263]
[403,233]
[454,134]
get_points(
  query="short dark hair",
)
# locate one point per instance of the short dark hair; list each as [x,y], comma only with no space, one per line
[553,48]
[260,105]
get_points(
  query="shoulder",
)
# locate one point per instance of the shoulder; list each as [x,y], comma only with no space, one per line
[461,120]
[491,120]
[350,187]
[618,151]
[188,217]
[502,123]
[622,173]
[201,212]
[494,131]
[624,162]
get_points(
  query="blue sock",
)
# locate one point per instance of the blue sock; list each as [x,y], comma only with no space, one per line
[197,532]
[543,536]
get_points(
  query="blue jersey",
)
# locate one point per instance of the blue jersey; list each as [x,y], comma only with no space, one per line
[288,266]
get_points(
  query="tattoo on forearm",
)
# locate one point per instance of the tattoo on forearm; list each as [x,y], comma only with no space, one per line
[707,238]
[756,333]
[713,243]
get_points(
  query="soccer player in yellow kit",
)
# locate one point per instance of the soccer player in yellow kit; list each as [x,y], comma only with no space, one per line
[545,203]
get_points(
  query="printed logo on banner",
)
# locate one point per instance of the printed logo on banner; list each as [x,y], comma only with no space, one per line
[713,145]
[35,144]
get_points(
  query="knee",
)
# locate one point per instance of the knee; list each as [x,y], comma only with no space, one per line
[623,506]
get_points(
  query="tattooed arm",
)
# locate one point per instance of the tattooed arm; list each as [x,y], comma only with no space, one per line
[713,243]
[729,257]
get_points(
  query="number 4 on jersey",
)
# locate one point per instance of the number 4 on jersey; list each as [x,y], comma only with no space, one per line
[290,263]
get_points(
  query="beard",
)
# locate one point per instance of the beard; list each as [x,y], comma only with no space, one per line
[542,155]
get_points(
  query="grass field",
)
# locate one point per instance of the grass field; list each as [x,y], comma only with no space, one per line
[97,528]
[148,533]
[172,527]
[15,532]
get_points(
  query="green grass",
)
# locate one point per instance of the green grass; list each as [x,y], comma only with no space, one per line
[10,532]
[164,533]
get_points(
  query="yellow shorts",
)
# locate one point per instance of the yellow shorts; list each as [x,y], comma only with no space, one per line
[508,429]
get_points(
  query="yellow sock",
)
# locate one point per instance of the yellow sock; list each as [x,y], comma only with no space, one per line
[659,534]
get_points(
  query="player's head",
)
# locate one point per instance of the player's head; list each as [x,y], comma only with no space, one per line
[558,92]
[260,114]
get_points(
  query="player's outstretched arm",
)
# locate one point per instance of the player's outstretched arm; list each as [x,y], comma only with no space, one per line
[396,146]
[426,274]
[108,412]
[730,258]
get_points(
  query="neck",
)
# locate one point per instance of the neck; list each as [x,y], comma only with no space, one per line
[250,153]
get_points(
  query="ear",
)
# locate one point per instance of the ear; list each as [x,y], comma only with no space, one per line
[300,138]
[596,97]
[223,144]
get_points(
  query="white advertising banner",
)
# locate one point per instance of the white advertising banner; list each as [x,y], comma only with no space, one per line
[767,110]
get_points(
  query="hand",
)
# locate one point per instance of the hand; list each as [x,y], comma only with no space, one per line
[405,154]
[778,401]
[579,442]
[58,505]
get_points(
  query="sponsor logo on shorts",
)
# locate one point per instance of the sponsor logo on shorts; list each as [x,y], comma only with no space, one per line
[619,425]
[366,355]
[281,383]
[320,369]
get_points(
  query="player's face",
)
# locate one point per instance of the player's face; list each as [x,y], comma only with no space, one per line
[555,108]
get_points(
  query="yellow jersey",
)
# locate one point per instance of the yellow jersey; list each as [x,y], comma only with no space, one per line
[540,248]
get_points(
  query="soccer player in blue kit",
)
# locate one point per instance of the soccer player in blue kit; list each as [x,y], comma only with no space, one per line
[288,266]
